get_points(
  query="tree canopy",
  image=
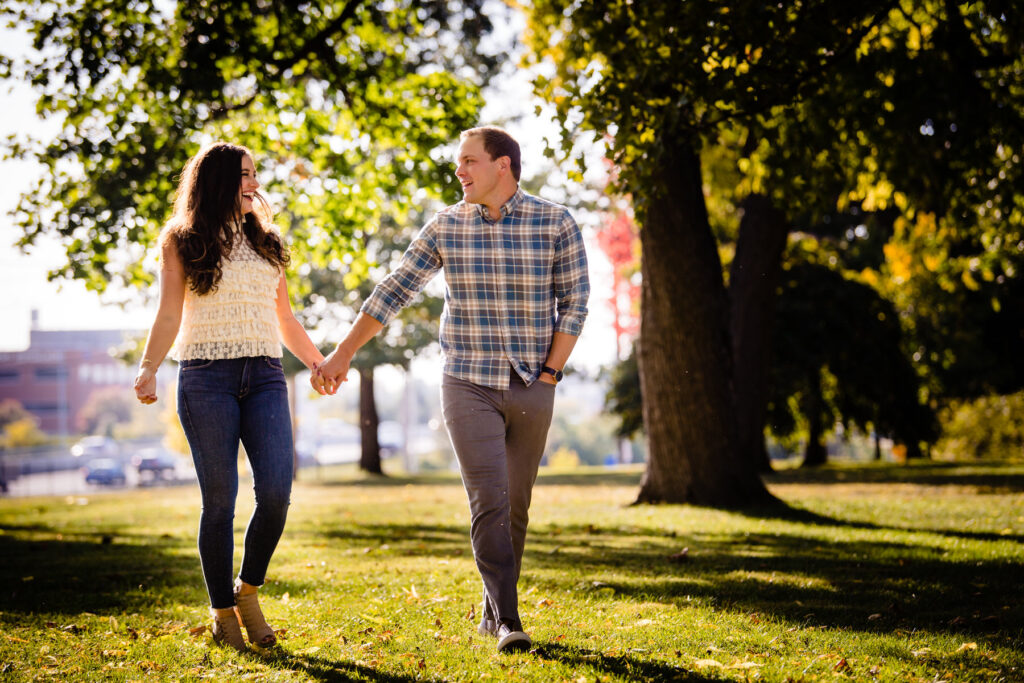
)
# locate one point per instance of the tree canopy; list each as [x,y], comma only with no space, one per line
[347,105]
[734,123]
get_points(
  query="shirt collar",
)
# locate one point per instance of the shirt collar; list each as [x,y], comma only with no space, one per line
[506,208]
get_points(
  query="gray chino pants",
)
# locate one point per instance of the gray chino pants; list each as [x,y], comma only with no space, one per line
[499,438]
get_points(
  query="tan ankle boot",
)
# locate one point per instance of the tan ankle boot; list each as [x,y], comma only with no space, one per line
[226,630]
[249,613]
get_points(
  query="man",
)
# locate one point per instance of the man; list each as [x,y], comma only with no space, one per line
[515,303]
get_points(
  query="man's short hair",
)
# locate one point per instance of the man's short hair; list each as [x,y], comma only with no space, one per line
[498,143]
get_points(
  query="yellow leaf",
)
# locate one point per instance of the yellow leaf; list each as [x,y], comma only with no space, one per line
[701,663]
[968,646]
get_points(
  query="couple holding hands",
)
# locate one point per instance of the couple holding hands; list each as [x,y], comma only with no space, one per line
[516,294]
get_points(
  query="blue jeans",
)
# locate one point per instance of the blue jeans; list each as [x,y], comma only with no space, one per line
[222,402]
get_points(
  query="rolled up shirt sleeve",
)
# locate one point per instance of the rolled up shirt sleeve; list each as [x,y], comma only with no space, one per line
[572,282]
[419,265]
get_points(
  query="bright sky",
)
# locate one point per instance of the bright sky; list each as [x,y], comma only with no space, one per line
[68,305]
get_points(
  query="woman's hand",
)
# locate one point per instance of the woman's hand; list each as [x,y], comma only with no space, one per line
[145,385]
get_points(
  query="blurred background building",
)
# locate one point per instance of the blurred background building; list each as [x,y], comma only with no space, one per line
[60,371]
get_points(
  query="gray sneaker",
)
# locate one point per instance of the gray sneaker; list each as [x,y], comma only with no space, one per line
[487,627]
[512,641]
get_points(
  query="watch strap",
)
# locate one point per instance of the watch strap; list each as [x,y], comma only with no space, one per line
[557,374]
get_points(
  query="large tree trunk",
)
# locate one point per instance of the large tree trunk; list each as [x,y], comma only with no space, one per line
[753,279]
[369,457]
[684,353]
[815,453]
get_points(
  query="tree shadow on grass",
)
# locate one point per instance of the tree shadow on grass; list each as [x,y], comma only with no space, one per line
[404,539]
[624,666]
[800,575]
[870,586]
[323,669]
[98,573]
[784,512]
[580,660]
[985,477]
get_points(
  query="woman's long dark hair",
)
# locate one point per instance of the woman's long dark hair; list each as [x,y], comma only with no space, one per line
[207,206]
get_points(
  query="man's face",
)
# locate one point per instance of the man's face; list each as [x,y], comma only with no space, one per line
[478,173]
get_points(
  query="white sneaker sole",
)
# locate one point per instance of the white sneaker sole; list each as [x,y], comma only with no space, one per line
[516,641]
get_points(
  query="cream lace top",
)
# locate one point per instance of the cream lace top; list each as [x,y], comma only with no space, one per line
[238,318]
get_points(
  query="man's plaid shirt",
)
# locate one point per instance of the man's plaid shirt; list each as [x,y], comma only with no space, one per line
[511,284]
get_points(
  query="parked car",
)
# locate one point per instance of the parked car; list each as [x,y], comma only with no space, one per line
[104,472]
[96,447]
[156,462]
[390,437]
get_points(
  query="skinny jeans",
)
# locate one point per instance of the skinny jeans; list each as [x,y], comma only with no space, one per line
[499,438]
[222,403]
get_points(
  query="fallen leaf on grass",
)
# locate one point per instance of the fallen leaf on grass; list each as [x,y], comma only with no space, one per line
[546,602]
[197,631]
[682,556]
[842,665]
[701,663]
[922,652]
[743,665]
[14,639]
[115,653]
[967,646]
[872,617]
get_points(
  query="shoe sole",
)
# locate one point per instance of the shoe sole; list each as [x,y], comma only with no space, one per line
[517,641]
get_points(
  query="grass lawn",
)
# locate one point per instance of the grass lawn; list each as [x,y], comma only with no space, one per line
[867,573]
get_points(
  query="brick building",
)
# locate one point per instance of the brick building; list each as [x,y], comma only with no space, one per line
[59,371]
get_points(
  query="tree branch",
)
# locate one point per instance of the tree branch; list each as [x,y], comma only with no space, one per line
[803,81]
[319,41]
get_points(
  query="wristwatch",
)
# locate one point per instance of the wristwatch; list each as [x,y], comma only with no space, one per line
[557,374]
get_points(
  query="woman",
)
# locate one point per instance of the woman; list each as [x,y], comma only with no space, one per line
[224,296]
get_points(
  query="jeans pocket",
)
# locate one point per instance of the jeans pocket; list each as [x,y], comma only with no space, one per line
[195,364]
[274,363]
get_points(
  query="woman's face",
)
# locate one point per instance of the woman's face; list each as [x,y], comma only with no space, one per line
[249,184]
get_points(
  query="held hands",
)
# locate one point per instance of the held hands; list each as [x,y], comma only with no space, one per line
[145,385]
[329,375]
